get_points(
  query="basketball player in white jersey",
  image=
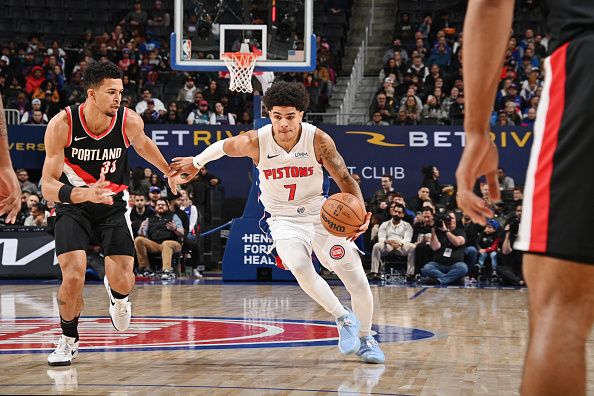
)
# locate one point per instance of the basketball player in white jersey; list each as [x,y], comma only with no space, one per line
[289,155]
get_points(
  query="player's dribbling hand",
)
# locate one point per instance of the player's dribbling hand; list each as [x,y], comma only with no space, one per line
[362,229]
[10,195]
[99,193]
[480,158]
[183,165]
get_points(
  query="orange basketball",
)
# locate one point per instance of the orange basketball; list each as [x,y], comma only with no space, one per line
[342,214]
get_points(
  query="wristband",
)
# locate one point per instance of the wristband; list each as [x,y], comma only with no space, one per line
[65,193]
[213,152]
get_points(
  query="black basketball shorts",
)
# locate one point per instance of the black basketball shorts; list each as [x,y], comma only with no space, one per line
[77,224]
[558,215]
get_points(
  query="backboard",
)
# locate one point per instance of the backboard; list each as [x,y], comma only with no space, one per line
[281,29]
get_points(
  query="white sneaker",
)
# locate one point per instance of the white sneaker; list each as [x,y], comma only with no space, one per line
[65,379]
[196,273]
[119,310]
[66,350]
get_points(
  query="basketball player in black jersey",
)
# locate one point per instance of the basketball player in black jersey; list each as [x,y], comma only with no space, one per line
[10,190]
[86,170]
[557,220]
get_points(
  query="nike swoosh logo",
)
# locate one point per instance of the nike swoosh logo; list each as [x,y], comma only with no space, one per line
[272,156]
[77,138]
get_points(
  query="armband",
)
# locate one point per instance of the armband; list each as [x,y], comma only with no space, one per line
[213,152]
[65,193]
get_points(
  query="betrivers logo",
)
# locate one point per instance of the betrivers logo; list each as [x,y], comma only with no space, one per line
[151,333]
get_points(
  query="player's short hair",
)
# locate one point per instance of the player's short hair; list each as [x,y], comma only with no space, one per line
[96,72]
[289,94]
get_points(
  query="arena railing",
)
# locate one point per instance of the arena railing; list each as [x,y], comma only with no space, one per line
[13,117]
[357,73]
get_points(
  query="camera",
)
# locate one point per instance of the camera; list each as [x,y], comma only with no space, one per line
[441,220]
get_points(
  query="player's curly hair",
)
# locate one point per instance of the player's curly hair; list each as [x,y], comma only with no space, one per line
[290,94]
[96,72]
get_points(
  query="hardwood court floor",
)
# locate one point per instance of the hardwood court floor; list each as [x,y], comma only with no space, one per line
[477,347]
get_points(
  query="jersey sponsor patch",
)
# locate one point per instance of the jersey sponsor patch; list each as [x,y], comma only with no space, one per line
[337,252]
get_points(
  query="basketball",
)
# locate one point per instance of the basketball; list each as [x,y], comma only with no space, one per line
[342,214]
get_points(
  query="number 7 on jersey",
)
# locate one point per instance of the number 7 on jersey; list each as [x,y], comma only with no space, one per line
[292,188]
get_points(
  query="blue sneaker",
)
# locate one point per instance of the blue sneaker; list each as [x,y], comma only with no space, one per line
[370,351]
[348,333]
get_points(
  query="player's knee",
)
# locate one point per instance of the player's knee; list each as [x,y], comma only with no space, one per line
[73,278]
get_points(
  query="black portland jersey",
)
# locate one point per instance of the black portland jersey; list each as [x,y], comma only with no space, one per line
[569,19]
[87,155]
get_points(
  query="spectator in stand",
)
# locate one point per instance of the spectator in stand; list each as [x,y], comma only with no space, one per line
[376,119]
[488,243]
[503,119]
[161,233]
[149,45]
[126,61]
[246,119]
[431,113]
[472,231]
[431,181]
[172,117]
[143,104]
[26,185]
[529,118]
[37,118]
[416,203]
[74,91]
[513,114]
[381,106]
[200,116]
[158,17]
[191,239]
[139,213]
[37,217]
[138,184]
[186,93]
[198,97]
[440,56]
[506,183]
[404,28]
[447,103]
[422,237]
[151,115]
[379,201]
[154,196]
[420,48]
[412,109]
[456,114]
[220,116]
[212,94]
[394,236]
[418,68]
[34,79]
[27,117]
[20,103]
[396,49]
[136,18]
[156,181]
[511,269]
[447,243]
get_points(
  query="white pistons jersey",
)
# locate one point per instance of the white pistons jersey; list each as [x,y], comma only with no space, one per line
[291,183]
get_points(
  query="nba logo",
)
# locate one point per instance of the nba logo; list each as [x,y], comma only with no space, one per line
[186,50]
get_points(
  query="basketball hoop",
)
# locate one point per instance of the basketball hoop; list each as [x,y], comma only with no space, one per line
[241,67]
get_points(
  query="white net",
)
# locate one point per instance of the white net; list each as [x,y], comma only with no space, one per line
[241,67]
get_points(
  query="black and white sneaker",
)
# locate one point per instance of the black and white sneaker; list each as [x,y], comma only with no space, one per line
[167,275]
[120,310]
[66,350]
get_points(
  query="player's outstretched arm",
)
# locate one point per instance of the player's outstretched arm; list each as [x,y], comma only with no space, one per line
[10,190]
[244,145]
[486,32]
[331,159]
[56,138]
[146,148]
